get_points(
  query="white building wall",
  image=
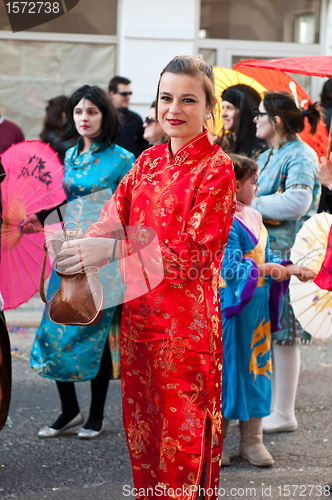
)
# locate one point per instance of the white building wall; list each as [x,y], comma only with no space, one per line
[326,47]
[328,31]
[151,33]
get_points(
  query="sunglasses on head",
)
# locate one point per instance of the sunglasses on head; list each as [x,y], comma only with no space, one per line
[256,112]
[149,121]
[124,94]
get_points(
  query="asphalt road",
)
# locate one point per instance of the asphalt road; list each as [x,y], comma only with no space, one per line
[67,468]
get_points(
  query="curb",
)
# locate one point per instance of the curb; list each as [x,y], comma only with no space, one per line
[28,320]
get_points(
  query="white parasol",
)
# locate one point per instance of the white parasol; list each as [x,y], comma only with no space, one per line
[312,305]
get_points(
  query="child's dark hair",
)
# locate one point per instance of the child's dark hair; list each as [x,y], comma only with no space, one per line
[244,167]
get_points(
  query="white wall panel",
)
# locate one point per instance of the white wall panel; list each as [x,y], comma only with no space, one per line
[163,19]
[151,33]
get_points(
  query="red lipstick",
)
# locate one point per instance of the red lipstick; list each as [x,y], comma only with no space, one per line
[175,123]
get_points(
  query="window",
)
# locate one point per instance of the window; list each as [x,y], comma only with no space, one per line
[304,31]
[209,56]
[261,20]
[87,17]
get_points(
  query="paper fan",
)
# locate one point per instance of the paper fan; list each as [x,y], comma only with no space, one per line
[33,182]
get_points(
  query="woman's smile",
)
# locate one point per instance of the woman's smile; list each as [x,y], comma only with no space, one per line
[174,122]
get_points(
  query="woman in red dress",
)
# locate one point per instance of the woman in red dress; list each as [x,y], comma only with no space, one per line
[171,348]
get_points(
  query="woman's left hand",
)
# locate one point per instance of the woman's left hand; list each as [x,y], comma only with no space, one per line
[32,225]
[301,272]
[84,252]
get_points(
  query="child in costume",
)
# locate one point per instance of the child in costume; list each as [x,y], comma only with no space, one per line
[253,282]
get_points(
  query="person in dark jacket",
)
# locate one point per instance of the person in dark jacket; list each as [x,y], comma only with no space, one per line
[5,355]
[10,133]
[54,127]
[131,135]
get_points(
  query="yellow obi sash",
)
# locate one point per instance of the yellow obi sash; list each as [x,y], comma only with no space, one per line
[258,253]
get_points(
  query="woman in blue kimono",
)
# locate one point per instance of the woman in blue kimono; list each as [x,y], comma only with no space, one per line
[288,194]
[92,172]
[253,282]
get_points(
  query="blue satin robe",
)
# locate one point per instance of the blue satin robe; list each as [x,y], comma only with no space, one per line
[250,308]
[73,353]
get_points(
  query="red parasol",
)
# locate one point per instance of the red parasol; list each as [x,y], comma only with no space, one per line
[33,182]
[277,80]
[310,65]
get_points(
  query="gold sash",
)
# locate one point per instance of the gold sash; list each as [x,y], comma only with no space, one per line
[257,254]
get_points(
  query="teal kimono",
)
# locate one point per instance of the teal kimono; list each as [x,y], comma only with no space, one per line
[70,353]
[250,308]
[293,166]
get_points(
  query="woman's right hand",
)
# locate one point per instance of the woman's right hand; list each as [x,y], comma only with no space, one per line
[32,224]
[85,252]
[276,271]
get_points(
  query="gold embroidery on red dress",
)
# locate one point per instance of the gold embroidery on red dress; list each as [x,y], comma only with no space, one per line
[171,336]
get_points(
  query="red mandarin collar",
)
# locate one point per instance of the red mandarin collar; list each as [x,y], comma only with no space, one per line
[192,148]
[196,146]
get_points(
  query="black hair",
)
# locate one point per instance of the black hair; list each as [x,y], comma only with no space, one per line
[283,104]
[244,167]
[245,98]
[193,66]
[326,95]
[114,82]
[54,116]
[111,124]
